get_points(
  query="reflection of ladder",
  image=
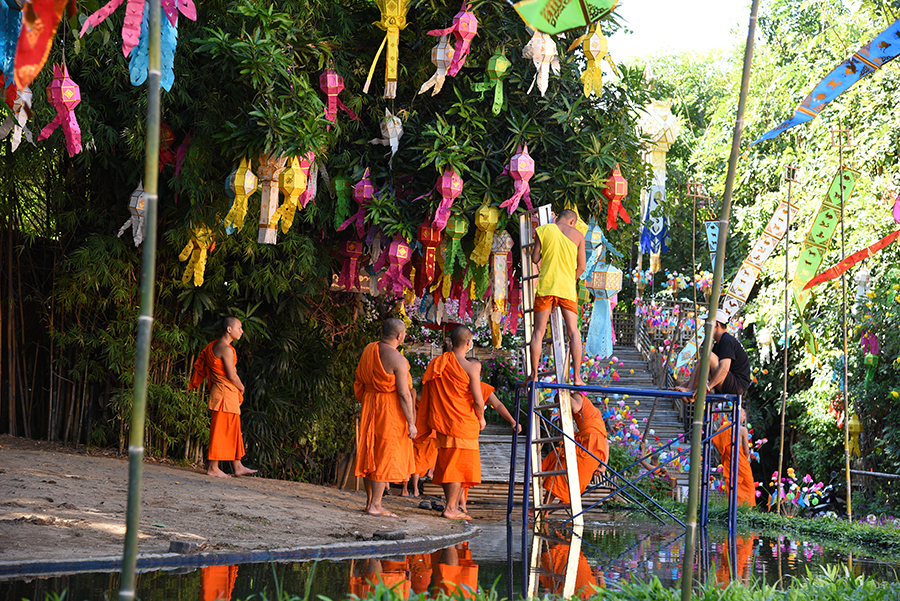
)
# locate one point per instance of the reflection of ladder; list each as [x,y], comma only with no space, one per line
[559,583]
[543,436]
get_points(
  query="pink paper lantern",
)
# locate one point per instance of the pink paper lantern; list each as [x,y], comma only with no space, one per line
[521,168]
[450,186]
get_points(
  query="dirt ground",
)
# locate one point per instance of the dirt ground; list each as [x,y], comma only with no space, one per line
[61,504]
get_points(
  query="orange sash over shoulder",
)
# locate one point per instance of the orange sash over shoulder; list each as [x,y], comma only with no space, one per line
[746,494]
[592,436]
[447,401]
[223,394]
[384,450]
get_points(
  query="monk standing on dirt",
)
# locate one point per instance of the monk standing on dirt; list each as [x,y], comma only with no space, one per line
[387,423]
[454,408]
[218,362]
[559,248]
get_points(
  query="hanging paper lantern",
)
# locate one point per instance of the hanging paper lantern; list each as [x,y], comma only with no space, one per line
[441,56]
[542,52]
[430,239]
[486,221]
[606,281]
[515,303]
[457,227]
[496,69]
[19,102]
[854,429]
[196,250]
[363,193]
[391,130]
[449,186]
[399,254]
[342,191]
[240,184]
[500,261]
[593,44]
[871,362]
[349,278]
[312,167]
[593,247]
[464,28]
[64,95]
[393,19]
[39,22]
[332,84]
[616,189]
[292,183]
[136,221]
[521,168]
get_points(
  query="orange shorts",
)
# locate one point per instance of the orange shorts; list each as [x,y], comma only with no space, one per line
[545,303]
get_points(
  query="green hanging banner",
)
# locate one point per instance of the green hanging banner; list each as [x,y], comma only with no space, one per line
[556,16]
[815,247]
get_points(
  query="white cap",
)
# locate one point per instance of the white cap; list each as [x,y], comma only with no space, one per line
[721,316]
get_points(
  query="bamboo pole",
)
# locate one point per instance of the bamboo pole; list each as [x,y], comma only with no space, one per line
[10,328]
[145,320]
[845,392]
[687,567]
[787,308]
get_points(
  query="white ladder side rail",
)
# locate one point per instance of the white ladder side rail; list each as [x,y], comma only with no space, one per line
[561,361]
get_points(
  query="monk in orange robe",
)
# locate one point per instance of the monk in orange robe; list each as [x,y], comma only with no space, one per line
[218,363]
[555,562]
[453,407]
[746,493]
[591,435]
[217,583]
[424,453]
[365,574]
[387,423]
[745,547]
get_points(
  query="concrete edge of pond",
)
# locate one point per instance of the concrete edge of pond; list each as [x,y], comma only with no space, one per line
[14,570]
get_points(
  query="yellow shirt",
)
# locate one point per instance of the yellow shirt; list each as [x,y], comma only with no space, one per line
[559,262]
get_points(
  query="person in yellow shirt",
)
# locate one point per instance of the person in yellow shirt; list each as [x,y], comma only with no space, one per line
[559,248]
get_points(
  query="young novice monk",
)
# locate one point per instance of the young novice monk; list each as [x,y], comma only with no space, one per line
[746,494]
[453,406]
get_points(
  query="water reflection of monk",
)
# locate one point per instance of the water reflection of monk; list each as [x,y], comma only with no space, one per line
[744,551]
[365,574]
[455,573]
[554,562]
[217,582]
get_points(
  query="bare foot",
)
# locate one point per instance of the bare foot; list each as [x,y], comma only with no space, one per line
[383,513]
[455,515]
[416,494]
[244,471]
[217,473]
[579,382]
[404,493]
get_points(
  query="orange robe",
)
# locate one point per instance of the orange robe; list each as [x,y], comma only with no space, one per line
[592,436]
[424,445]
[419,572]
[555,561]
[393,574]
[742,565]
[217,582]
[746,494]
[459,581]
[384,451]
[226,443]
[448,410]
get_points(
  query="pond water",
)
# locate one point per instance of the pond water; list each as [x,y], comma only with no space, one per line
[614,549]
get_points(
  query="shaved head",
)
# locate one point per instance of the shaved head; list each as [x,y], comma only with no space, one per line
[228,322]
[460,336]
[392,328]
[567,214]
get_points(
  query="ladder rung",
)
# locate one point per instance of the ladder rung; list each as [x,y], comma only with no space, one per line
[549,473]
[547,406]
[531,277]
[529,245]
[553,506]
[527,310]
[548,439]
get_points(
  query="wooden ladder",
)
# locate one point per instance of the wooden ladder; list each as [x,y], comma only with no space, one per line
[543,437]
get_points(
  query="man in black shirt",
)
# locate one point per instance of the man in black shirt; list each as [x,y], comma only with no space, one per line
[729,368]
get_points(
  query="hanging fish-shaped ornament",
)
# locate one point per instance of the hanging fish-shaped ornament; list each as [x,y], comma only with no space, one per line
[497,66]
[64,95]
[393,19]
[136,221]
[441,56]
[240,184]
[541,50]
[464,29]
[449,186]
[332,84]
[195,254]
[594,46]
[521,168]
[391,131]
[394,281]
[19,101]
[363,193]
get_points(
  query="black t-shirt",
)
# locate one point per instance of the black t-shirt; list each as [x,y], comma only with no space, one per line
[729,348]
